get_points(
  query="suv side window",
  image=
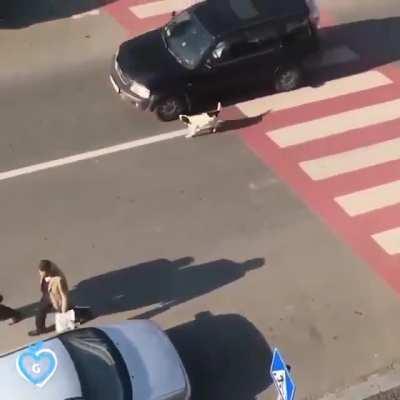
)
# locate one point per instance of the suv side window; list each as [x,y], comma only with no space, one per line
[230,50]
[296,32]
[263,37]
[253,41]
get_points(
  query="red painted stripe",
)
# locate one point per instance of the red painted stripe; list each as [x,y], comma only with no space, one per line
[134,25]
[148,24]
[326,19]
[392,72]
[361,179]
[379,220]
[120,12]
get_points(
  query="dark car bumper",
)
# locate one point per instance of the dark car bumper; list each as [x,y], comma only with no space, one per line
[123,89]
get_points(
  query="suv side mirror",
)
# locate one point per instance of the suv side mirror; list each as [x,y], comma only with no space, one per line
[173,14]
[217,53]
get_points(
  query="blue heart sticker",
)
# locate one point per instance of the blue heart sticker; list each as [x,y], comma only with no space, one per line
[37,364]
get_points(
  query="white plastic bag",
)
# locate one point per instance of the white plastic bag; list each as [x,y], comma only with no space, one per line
[65,321]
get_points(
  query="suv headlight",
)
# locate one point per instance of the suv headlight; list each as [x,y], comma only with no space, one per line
[140,90]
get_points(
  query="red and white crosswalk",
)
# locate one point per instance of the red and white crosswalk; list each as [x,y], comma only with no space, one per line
[337,145]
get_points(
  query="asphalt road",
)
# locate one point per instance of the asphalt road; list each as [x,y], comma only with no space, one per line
[177,228]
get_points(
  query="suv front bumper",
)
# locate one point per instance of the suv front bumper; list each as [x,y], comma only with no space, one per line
[127,95]
[123,89]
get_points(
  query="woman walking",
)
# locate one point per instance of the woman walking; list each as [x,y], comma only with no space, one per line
[55,296]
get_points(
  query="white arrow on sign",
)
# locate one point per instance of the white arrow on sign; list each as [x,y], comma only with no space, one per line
[280,378]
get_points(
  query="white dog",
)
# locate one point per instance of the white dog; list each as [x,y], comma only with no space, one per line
[202,123]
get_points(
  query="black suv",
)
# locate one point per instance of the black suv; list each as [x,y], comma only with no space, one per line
[214,48]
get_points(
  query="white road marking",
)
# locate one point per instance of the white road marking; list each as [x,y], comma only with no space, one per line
[90,154]
[86,14]
[389,241]
[161,7]
[336,124]
[353,160]
[307,95]
[370,199]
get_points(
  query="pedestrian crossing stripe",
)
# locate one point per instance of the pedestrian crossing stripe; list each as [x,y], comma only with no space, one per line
[389,240]
[353,160]
[370,199]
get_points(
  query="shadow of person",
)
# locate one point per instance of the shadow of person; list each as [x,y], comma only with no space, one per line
[28,310]
[225,356]
[16,14]
[162,283]
[120,289]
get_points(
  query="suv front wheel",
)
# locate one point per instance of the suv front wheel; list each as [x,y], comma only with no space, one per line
[170,108]
[288,78]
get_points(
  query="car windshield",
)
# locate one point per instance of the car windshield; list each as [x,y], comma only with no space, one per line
[187,39]
[100,367]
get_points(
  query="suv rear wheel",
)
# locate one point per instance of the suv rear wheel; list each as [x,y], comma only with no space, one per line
[288,78]
[170,108]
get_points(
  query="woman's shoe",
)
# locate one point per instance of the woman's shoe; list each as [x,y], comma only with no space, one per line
[35,332]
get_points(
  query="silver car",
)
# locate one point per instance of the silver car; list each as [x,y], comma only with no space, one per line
[130,360]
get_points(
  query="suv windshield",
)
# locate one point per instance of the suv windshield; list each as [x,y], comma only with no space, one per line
[100,367]
[187,39]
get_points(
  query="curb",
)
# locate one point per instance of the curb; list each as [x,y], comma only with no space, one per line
[376,387]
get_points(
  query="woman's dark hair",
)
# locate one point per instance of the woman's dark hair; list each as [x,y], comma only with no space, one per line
[46,266]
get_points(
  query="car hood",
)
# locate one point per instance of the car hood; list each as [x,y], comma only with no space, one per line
[146,60]
[154,365]
[62,384]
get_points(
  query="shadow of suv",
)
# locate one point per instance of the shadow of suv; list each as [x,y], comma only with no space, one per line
[212,49]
